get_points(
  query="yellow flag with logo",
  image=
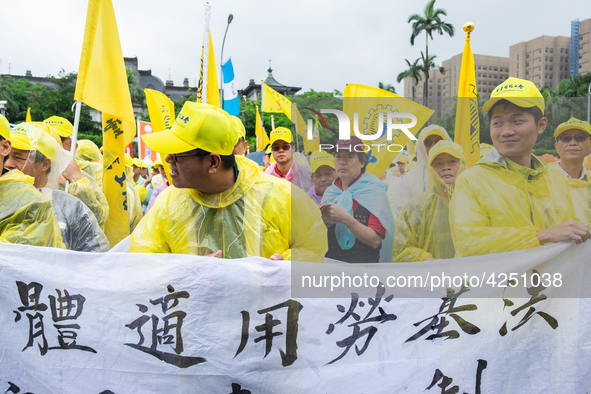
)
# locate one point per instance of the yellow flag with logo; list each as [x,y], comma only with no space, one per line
[467,129]
[102,85]
[28,118]
[261,134]
[275,102]
[161,111]
[368,102]
[212,89]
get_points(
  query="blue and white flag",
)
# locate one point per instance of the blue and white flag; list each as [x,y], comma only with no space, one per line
[231,101]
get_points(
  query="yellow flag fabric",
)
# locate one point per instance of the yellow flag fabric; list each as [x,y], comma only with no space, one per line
[261,134]
[28,118]
[314,144]
[368,102]
[212,95]
[161,111]
[411,148]
[102,84]
[467,129]
[274,102]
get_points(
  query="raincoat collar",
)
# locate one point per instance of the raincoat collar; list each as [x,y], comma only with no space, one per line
[494,159]
[248,175]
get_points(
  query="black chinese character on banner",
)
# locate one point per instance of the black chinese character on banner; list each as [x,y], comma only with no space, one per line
[370,330]
[446,381]
[237,389]
[113,124]
[164,330]
[536,297]
[291,332]
[439,321]
[64,308]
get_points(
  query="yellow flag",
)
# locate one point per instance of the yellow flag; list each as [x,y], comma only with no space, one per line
[212,95]
[467,129]
[28,118]
[161,111]
[102,85]
[261,134]
[274,102]
[368,102]
[411,149]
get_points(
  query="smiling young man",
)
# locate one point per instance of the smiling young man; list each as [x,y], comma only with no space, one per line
[573,143]
[285,167]
[510,200]
[223,205]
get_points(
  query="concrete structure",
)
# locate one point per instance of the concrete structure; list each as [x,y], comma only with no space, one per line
[253,90]
[584,46]
[543,60]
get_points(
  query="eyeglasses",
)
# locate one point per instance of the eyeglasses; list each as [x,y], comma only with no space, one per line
[277,148]
[197,154]
[578,137]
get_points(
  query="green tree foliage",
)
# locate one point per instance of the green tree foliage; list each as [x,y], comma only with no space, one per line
[45,102]
[429,22]
[138,97]
[414,72]
[387,87]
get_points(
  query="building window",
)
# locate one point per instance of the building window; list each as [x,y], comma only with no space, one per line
[496,69]
[526,64]
[484,67]
[546,50]
[551,58]
[546,66]
[550,76]
[551,50]
[527,73]
[480,67]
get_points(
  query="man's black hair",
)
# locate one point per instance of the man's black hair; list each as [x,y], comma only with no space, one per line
[228,161]
[535,111]
[39,158]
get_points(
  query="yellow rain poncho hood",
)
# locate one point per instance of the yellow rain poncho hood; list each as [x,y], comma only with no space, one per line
[253,218]
[88,151]
[26,215]
[499,206]
[580,192]
[416,179]
[422,230]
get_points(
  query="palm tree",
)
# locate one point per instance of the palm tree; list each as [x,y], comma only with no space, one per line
[429,22]
[387,87]
[414,72]
[135,91]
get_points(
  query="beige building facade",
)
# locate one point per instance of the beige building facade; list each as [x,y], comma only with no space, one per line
[584,46]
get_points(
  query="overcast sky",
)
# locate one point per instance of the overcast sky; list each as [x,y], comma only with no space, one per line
[317,44]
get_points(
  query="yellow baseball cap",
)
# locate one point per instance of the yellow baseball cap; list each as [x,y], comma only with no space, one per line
[29,137]
[4,127]
[49,130]
[518,91]
[138,163]
[446,146]
[88,151]
[198,126]
[319,159]
[240,126]
[402,159]
[435,130]
[62,125]
[572,123]
[157,163]
[280,134]
[128,161]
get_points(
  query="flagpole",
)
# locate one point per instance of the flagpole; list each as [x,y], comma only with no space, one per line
[205,54]
[272,123]
[230,17]
[262,104]
[78,105]
[139,139]
[297,131]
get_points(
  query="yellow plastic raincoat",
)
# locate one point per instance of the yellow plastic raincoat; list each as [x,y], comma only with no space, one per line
[90,160]
[88,191]
[134,203]
[26,215]
[499,206]
[422,229]
[580,192]
[253,218]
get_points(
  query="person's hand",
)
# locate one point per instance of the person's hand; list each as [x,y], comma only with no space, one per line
[147,182]
[334,213]
[276,257]
[570,230]
[72,172]
[217,254]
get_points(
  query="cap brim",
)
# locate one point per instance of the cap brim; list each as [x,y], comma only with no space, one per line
[323,163]
[166,141]
[281,139]
[561,130]
[515,100]
[436,132]
[447,150]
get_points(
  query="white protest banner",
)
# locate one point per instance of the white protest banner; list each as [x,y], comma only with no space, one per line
[144,323]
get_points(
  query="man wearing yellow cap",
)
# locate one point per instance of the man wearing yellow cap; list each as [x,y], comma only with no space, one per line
[241,147]
[573,144]
[223,205]
[26,215]
[64,128]
[323,174]
[509,200]
[401,163]
[134,205]
[37,154]
[285,167]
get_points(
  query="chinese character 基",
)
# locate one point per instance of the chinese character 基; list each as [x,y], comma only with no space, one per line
[291,332]
[368,331]
[438,323]
[65,310]
[165,330]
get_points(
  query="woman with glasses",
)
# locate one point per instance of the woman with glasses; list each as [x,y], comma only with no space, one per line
[416,180]
[356,209]
[284,166]
[573,144]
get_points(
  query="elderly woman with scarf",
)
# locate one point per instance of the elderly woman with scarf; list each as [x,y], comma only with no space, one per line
[422,230]
[357,212]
